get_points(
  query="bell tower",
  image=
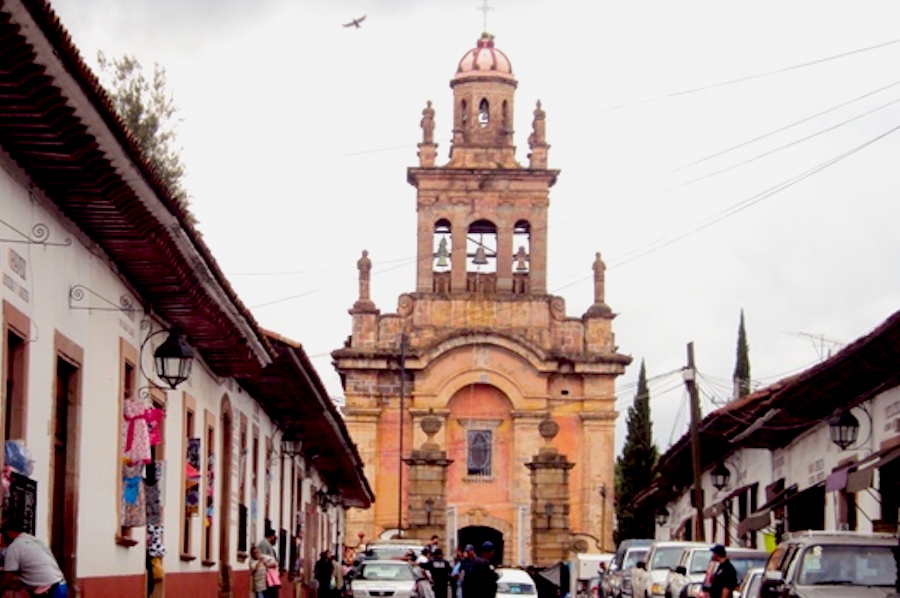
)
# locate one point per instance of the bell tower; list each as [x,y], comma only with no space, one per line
[480,353]
[482,218]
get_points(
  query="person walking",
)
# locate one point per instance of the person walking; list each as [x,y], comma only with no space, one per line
[463,566]
[259,566]
[323,571]
[266,548]
[481,580]
[721,581]
[29,560]
[267,544]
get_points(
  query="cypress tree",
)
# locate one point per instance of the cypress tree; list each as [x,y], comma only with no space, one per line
[634,468]
[742,363]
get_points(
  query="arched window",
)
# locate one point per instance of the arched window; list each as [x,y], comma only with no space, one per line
[463,112]
[505,114]
[484,110]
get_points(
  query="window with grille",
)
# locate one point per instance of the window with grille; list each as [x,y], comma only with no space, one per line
[478,459]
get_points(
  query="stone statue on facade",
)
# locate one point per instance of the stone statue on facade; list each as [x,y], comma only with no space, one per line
[428,124]
[538,135]
[599,281]
[599,308]
[364,303]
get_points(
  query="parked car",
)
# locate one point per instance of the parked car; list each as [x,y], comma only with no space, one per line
[648,577]
[749,587]
[515,582]
[695,559]
[831,564]
[384,578]
[617,582]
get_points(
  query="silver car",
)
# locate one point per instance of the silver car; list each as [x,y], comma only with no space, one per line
[384,578]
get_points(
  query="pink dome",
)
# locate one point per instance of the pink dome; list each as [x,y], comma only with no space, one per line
[484,59]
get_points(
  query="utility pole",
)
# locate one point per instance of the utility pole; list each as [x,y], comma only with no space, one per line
[400,456]
[690,374]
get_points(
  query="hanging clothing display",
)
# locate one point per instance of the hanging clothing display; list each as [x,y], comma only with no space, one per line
[192,477]
[134,509]
[136,433]
[155,492]
[155,541]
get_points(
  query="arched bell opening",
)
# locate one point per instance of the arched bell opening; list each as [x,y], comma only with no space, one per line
[484,113]
[441,264]
[521,252]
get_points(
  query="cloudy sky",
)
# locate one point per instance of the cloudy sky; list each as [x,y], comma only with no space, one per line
[721,155]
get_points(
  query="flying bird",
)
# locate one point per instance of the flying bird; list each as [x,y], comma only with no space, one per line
[355,22]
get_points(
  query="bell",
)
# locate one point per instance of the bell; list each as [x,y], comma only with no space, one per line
[480,257]
[521,260]
[442,253]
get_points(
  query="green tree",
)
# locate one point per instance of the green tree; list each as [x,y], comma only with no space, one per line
[149,112]
[634,468]
[741,375]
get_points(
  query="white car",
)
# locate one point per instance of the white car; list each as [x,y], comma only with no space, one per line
[514,583]
[650,580]
[384,578]
[749,587]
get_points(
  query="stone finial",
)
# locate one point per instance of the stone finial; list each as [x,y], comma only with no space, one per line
[431,425]
[548,430]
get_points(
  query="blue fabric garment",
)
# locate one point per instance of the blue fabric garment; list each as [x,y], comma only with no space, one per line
[132,487]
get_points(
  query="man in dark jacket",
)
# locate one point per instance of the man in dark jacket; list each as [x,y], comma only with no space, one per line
[439,570]
[724,579]
[481,580]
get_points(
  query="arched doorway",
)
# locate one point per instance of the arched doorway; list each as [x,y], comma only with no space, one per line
[225,573]
[476,535]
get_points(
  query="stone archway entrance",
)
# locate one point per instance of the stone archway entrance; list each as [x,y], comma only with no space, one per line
[476,535]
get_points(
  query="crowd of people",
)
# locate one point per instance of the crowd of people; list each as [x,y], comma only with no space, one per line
[469,575]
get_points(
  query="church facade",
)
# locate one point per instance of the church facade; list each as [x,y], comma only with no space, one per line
[449,398]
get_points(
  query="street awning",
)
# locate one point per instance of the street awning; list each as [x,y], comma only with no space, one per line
[754,522]
[760,518]
[863,479]
[837,480]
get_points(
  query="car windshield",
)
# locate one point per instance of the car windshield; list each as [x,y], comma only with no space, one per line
[387,572]
[633,557]
[666,557]
[700,561]
[504,587]
[742,564]
[847,564]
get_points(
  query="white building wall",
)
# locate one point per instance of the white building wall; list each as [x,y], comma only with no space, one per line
[37,281]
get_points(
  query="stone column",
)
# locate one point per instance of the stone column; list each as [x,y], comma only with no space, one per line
[551,536]
[427,513]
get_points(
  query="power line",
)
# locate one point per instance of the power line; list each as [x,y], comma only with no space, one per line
[752,77]
[783,147]
[745,203]
[786,127]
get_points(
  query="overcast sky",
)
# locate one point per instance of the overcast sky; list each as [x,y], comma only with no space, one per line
[721,155]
